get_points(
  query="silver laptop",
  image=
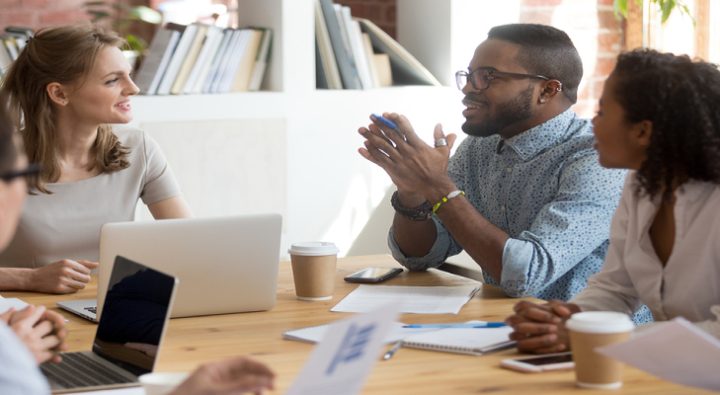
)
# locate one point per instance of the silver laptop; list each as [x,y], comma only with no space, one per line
[226,265]
[128,337]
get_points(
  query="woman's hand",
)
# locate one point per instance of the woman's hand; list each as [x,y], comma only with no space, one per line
[42,331]
[540,328]
[62,277]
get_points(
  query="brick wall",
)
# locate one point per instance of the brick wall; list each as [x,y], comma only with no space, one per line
[381,12]
[39,13]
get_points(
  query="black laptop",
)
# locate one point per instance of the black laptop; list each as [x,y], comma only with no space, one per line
[129,334]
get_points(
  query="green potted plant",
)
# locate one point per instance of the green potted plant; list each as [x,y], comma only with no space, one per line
[666,7]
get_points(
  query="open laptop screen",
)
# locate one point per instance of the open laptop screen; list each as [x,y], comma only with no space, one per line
[135,314]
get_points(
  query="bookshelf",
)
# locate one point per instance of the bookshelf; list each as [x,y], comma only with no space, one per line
[291,148]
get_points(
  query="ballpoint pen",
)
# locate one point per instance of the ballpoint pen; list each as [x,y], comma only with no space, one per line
[459,325]
[389,354]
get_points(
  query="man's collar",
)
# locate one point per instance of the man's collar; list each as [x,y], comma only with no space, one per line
[535,140]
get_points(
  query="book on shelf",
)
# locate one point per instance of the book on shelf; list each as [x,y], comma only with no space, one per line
[327,72]
[261,61]
[227,68]
[200,69]
[177,59]
[406,69]
[346,63]
[153,66]
[189,60]
[354,36]
[218,59]
[241,76]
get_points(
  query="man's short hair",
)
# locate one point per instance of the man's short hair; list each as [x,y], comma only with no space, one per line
[545,50]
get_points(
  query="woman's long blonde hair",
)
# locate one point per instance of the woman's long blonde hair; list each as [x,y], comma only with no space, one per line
[64,55]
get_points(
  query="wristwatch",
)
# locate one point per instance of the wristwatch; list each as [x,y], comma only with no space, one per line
[422,212]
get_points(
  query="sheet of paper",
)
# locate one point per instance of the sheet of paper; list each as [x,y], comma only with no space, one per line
[120,391]
[676,351]
[342,360]
[410,299]
[314,334]
[7,303]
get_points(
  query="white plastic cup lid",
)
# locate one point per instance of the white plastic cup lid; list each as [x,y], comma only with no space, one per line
[600,322]
[313,248]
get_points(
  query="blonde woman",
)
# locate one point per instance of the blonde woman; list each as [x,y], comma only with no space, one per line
[66,88]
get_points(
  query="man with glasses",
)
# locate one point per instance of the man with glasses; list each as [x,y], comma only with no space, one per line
[524,195]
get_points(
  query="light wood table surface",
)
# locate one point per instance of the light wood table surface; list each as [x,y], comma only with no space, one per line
[190,341]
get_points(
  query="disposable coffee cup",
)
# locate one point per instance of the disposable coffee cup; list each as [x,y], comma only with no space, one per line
[161,383]
[313,266]
[588,331]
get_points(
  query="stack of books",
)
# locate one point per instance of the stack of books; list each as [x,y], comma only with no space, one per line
[354,53]
[12,41]
[199,58]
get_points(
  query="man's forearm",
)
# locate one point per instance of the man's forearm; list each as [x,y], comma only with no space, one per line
[415,238]
[15,279]
[482,240]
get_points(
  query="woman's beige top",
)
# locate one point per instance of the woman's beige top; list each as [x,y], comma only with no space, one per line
[66,223]
[688,285]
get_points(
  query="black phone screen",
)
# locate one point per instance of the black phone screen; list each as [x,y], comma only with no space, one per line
[552,359]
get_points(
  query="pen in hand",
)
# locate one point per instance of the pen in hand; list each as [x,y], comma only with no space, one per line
[389,354]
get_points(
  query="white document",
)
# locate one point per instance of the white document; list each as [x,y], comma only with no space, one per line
[411,299]
[341,362]
[314,334]
[676,351]
[7,303]
[119,391]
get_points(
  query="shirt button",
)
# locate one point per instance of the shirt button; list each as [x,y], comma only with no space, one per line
[502,208]
[508,169]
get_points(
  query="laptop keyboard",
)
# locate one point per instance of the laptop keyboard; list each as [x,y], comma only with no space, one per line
[79,370]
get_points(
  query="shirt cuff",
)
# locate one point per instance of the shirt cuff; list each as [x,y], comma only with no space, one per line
[434,258]
[516,260]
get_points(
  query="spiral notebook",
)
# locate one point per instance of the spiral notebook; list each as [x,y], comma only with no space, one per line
[458,340]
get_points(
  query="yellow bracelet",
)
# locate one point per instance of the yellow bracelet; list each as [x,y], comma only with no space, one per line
[447,198]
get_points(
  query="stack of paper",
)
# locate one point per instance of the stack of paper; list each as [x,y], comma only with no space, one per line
[420,300]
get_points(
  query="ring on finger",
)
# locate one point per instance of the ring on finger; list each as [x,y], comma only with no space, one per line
[441,142]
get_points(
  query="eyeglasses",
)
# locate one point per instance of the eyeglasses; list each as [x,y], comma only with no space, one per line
[31,170]
[480,78]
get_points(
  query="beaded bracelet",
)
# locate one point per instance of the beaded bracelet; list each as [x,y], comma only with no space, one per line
[422,212]
[447,198]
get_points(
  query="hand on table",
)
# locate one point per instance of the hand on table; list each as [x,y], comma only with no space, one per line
[540,328]
[417,169]
[61,277]
[42,331]
[231,376]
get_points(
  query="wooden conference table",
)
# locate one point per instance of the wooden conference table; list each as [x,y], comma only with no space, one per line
[190,341]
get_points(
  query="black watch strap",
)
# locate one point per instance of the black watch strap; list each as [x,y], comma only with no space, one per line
[422,212]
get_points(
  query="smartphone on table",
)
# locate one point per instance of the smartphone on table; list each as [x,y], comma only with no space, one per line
[540,363]
[373,275]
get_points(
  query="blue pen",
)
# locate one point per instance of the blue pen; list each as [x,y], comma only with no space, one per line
[460,325]
[386,122]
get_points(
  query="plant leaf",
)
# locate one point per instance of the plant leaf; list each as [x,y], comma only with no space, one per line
[145,14]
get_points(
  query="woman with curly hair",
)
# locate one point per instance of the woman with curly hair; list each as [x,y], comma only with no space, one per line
[658,116]
[68,85]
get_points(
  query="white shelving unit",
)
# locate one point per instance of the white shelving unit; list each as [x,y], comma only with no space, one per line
[291,149]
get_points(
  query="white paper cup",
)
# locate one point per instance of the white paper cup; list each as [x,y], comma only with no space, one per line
[592,329]
[161,383]
[313,266]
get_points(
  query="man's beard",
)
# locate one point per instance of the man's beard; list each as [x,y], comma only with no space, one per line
[515,110]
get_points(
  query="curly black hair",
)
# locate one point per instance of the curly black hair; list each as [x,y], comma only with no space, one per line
[681,98]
